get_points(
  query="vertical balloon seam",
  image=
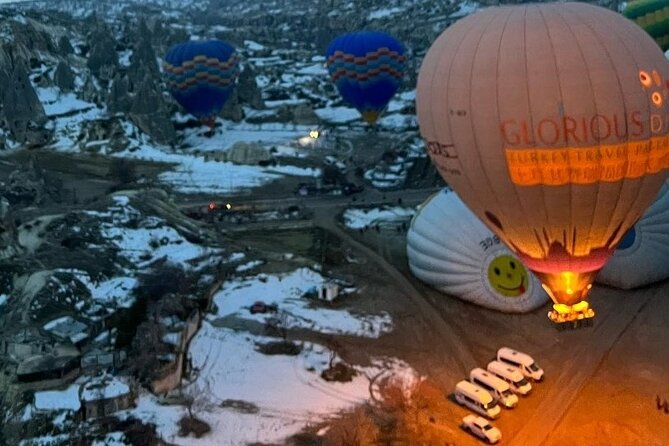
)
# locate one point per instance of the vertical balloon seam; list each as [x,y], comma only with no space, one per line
[576,37]
[622,186]
[436,69]
[463,39]
[513,186]
[359,47]
[643,181]
[519,202]
[531,125]
[663,188]
[571,227]
[624,182]
[586,235]
[458,243]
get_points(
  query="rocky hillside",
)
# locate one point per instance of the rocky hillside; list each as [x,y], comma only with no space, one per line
[105,56]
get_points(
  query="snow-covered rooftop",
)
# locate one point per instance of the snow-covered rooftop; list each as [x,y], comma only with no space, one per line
[103,388]
[67,399]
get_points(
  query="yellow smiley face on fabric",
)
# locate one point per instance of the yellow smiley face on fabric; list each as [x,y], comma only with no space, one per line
[507,276]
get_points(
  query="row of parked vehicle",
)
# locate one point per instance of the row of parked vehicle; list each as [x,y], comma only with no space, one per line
[504,379]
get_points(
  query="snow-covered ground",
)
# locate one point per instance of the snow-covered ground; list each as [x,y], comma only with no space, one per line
[153,239]
[465,8]
[338,115]
[229,133]
[192,172]
[361,218]
[246,396]
[383,13]
[287,292]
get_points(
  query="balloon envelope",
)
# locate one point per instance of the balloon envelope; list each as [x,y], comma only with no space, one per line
[201,75]
[367,68]
[642,256]
[653,17]
[450,249]
[550,121]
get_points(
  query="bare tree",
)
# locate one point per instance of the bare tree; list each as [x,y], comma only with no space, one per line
[355,428]
[146,348]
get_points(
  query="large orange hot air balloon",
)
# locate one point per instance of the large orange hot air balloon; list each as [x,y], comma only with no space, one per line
[551,122]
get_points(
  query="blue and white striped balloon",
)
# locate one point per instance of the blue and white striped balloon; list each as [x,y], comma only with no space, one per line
[450,249]
[642,257]
[201,76]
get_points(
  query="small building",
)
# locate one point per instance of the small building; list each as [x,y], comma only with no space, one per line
[59,363]
[105,395]
[95,360]
[68,328]
[25,343]
[328,291]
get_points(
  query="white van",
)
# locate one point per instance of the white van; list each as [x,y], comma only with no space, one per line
[525,363]
[511,375]
[477,399]
[498,388]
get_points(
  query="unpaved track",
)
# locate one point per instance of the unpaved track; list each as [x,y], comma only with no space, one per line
[434,331]
[588,354]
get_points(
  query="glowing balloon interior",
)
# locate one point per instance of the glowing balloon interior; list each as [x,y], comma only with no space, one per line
[201,76]
[551,123]
[367,68]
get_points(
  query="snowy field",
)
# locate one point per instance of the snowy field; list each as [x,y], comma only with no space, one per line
[265,398]
[150,241]
[256,397]
[193,172]
[287,292]
[362,218]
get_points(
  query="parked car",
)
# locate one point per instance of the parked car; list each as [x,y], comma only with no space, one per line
[480,427]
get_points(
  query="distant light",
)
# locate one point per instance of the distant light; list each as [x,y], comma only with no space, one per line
[212,206]
[314,134]
[228,206]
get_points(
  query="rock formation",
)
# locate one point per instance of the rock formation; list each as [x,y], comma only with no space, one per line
[149,112]
[63,77]
[22,112]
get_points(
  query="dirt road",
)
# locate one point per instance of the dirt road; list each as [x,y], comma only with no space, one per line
[446,348]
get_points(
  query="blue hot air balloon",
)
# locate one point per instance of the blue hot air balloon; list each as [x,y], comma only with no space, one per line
[367,68]
[201,76]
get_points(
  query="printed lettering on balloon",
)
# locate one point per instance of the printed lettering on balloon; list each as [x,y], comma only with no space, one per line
[444,157]
[589,149]
[444,150]
[489,242]
[587,165]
